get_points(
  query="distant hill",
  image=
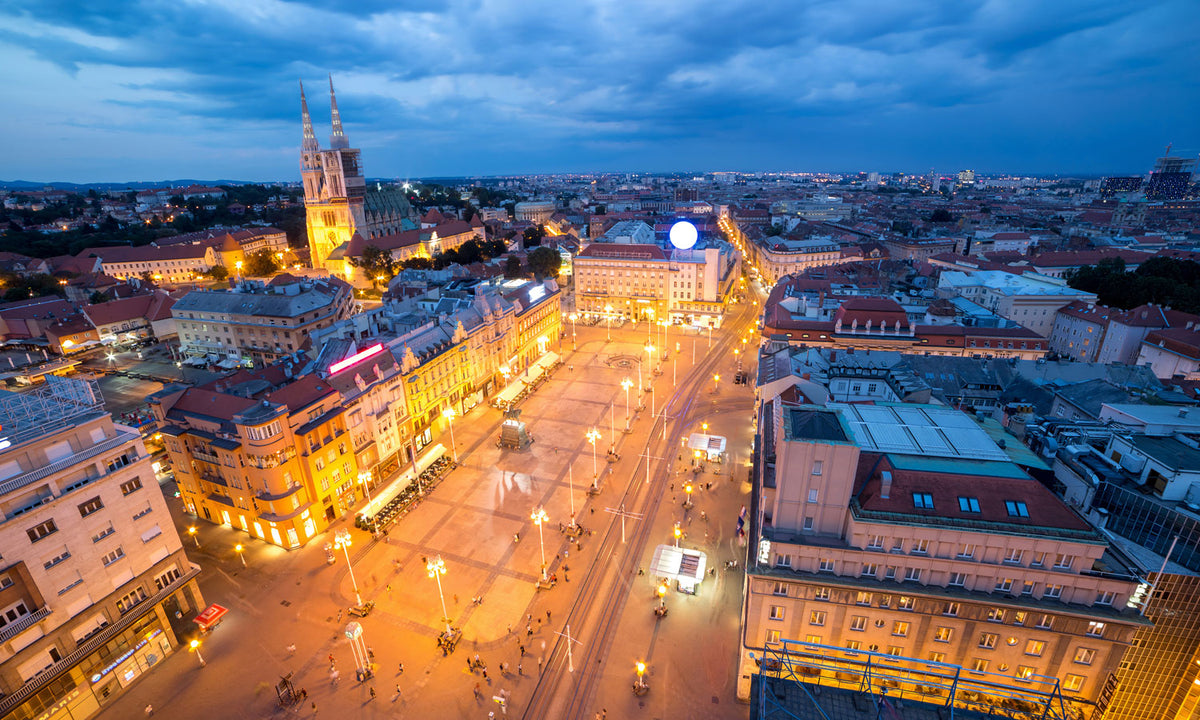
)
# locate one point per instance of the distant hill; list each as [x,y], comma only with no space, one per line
[141,185]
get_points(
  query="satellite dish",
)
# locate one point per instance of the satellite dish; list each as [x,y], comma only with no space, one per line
[683,235]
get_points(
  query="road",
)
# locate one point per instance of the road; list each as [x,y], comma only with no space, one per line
[284,598]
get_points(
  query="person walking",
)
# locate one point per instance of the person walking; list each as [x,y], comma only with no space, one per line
[372,692]
[547,616]
[400,670]
[397,695]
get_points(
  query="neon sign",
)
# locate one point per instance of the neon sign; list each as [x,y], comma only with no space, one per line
[355,358]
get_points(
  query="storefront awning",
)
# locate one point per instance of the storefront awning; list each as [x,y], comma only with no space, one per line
[211,616]
[711,445]
[682,564]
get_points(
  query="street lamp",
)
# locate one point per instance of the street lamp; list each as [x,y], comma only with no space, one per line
[687,489]
[448,413]
[678,534]
[192,532]
[505,372]
[608,311]
[662,593]
[363,479]
[238,549]
[649,354]
[626,383]
[341,539]
[716,379]
[573,317]
[437,569]
[704,427]
[238,266]
[593,435]
[640,685]
[539,516]
[195,646]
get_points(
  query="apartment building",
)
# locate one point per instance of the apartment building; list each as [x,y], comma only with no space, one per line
[263,451]
[95,589]
[257,323]
[905,531]
[1031,300]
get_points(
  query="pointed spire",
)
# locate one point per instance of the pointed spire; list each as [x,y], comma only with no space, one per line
[337,139]
[310,140]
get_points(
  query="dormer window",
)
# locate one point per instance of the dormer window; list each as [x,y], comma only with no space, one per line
[968,504]
[1016,508]
[922,501]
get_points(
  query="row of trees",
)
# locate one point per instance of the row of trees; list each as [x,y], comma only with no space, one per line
[1159,280]
[380,266]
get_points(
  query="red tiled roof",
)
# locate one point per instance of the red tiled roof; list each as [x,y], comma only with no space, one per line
[199,401]
[305,391]
[1183,341]
[873,310]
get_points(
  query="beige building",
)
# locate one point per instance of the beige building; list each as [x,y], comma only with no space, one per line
[256,323]
[261,452]
[95,589]
[904,531]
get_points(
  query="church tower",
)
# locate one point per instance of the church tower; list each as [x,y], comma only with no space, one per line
[334,189]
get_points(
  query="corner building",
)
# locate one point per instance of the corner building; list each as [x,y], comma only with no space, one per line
[95,589]
[904,530]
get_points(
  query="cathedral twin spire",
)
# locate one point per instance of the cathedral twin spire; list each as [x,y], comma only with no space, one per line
[337,138]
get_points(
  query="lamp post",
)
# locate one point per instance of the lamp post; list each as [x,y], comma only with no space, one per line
[505,372]
[437,569]
[195,646]
[662,596]
[238,266]
[192,532]
[238,549]
[687,503]
[341,539]
[571,494]
[448,413]
[678,534]
[593,435]
[608,312]
[716,379]
[650,356]
[573,317]
[364,479]
[640,685]
[627,383]
[649,322]
[704,427]
[539,516]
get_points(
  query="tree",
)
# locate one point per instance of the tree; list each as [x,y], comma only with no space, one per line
[97,297]
[941,215]
[376,263]
[544,262]
[533,236]
[773,230]
[512,268]
[261,264]
[218,272]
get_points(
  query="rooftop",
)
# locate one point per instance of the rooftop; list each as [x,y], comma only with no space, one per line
[926,430]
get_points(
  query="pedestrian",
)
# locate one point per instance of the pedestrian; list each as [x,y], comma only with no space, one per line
[485,677]
[330,658]
[521,648]
[149,710]
[397,695]
[520,668]
[529,630]
[547,616]
[477,659]
[303,694]
[389,589]
[314,707]
[477,693]
[372,693]
[539,663]
[401,669]
[470,665]
[339,615]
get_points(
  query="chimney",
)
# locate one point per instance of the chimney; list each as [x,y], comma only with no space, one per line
[885,484]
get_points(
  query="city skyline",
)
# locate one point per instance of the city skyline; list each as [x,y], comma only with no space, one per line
[118,93]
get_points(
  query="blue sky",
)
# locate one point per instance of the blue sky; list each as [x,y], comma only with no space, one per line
[137,90]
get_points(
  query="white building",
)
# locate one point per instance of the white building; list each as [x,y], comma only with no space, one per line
[1030,300]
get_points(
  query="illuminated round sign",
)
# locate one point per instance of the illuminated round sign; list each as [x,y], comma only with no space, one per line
[683,235]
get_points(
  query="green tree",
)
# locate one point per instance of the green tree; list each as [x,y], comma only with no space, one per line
[512,268]
[544,262]
[941,215]
[773,230]
[218,272]
[376,263]
[261,264]
[97,297]
[533,236]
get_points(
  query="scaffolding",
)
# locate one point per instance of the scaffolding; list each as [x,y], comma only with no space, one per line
[801,680]
[47,407]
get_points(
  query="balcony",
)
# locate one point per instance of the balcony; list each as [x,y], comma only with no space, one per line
[41,473]
[22,624]
[206,457]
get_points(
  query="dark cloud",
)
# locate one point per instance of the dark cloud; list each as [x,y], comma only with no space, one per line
[491,86]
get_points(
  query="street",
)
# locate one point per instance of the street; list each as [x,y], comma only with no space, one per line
[471,521]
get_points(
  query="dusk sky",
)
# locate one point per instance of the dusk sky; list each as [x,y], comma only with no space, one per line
[127,90]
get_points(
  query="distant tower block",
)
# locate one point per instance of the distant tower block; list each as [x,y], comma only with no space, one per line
[513,435]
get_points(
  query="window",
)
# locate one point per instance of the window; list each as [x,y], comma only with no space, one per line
[780,589]
[957,579]
[783,561]
[943,634]
[995,614]
[168,577]
[900,628]
[812,496]
[952,609]
[863,598]
[1027,587]
[988,640]
[895,650]
[1004,585]
[822,594]
[1073,683]
[853,645]
[1016,508]
[104,533]
[132,486]
[1014,557]
[62,555]
[1105,598]
[966,552]
[920,547]
[913,575]
[1025,673]
[968,504]
[772,637]
[816,617]
[1064,562]
[1085,656]
[858,623]
[1035,648]
[1019,617]
[89,507]
[1039,560]
[890,572]
[111,557]
[922,501]
[979,665]
[776,612]
[1052,591]
[37,532]
[826,565]
[906,603]
[1095,629]
[1045,622]
[813,639]
[875,543]
[808,522]
[937,657]
[127,603]
[817,466]
[885,601]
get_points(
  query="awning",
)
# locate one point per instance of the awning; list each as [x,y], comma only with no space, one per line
[710,444]
[683,564]
[211,616]
[382,496]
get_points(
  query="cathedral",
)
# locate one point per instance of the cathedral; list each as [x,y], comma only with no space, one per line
[338,203]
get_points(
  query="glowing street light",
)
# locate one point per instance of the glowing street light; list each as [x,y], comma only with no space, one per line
[195,647]
[364,478]
[573,317]
[192,532]
[437,569]
[716,379]
[238,549]
[539,516]
[626,383]
[687,503]
[678,534]
[608,310]
[662,594]
[505,372]
[341,539]
[592,436]
[704,427]
[448,413]
[640,686]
